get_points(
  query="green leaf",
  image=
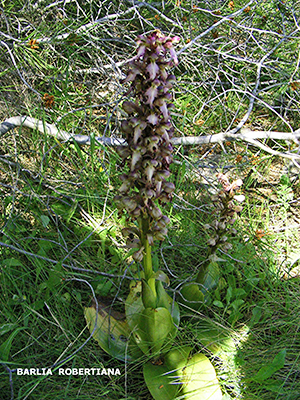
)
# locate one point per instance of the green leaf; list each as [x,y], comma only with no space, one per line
[114,336]
[149,298]
[192,296]
[133,310]
[228,295]
[160,381]
[54,279]
[134,305]
[218,303]
[6,346]
[164,300]
[236,304]
[72,211]
[156,327]
[161,276]
[45,220]
[256,315]
[267,371]
[151,328]
[177,358]
[274,385]
[209,276]
[12,262]
[200,380]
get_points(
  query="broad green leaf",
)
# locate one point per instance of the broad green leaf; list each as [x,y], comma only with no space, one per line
[54,279]
[199,379]
[151,328]
[164,300]
[160,381]
[236,304]
[134,305]
[218,303]
[177,358]
[191,295]
[267,371]
[209,276]
[114,336]
[133,310]
[256,315]
[274,385]
[149,298]
[156,327]
[6,346]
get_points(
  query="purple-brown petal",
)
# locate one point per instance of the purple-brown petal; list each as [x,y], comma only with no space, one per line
[152,69]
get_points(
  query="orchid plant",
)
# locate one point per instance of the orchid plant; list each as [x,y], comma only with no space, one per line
[227,204]
[151,315]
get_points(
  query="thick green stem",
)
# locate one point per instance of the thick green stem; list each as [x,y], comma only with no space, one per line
[147,258]
[147,261]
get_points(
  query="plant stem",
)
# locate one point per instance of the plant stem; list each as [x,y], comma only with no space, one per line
[147,258]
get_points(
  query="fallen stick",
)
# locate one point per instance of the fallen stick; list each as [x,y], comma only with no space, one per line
[244,134]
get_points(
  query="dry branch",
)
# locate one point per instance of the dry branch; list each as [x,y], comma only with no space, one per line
[244,134]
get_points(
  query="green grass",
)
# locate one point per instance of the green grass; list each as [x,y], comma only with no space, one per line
[61,230]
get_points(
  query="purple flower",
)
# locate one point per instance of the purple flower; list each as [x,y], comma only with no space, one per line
[151,93]
[132,73]
[153,70]
[149,171]
[138,130]
[161,103]
[152,118]
[148,130]
[136,156]
[130,107]
[141,52]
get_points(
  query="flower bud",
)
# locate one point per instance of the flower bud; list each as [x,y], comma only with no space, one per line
[161,234]
[138,255]
[155,212]
[129,203]
[133,243]
[238,208]
[168,187]
[222,225]
[152,70]
[152,118]
[149,170]
[212,241]
[125,187]
[162,222]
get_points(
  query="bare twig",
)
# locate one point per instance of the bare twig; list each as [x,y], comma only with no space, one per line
[245,134]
